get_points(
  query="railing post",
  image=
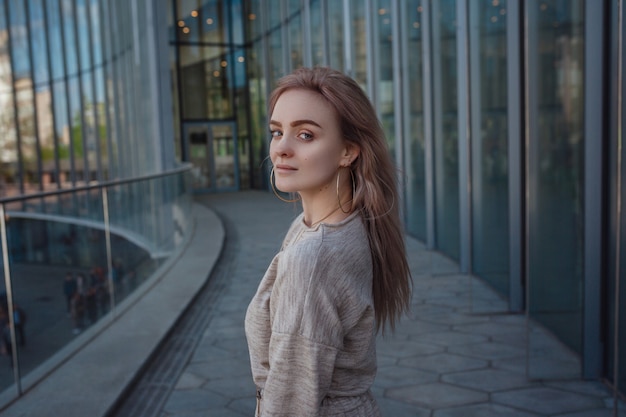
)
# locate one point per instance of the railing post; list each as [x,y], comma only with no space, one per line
[9,289]
[107,238]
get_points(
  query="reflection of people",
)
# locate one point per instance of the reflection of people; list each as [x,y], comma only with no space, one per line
[341,274]
[69,288]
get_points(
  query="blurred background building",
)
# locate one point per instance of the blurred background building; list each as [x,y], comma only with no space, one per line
[505,118]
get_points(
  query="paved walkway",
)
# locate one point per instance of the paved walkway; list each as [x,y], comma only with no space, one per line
[458,354]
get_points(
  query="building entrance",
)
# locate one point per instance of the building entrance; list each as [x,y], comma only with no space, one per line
[212,149]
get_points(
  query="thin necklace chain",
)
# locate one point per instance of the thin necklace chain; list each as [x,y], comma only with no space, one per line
[324,218]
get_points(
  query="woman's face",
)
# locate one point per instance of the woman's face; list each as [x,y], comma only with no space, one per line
[306,148]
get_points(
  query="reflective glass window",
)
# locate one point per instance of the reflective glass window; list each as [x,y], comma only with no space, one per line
[415,168]
[385,96]
[556,162]
[99,100]
[8,132]
[489,153]
[277,70]
[203,21]
[43,92]
[257,96]
[88,111]
[317,36]
[295,34]
[334,20]
[206,82]
[28,153]
[445,113]
[359,42]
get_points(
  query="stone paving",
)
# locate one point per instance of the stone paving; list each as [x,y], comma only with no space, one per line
[458,354]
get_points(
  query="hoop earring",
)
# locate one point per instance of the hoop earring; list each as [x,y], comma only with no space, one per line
[276,192]
[353,189]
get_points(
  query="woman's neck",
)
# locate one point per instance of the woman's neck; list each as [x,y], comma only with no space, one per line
[320,210]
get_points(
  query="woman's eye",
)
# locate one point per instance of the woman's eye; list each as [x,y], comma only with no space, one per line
[305,136]
[275,133]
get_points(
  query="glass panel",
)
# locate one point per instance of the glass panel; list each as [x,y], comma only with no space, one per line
[23,83]
[334,19]
[317,36]
[359,42]
[385,103]
[490,230]
[76,146]
[555,186]
[197,136]
[224,154]
[203,21]
[42,252]
[257,96]
[415,163]
[207,85]
[97,49]
[59,265]
[616,300]
[88,112]
[43,95]
[277,70]
[8,132]
[295,33]
[445,126]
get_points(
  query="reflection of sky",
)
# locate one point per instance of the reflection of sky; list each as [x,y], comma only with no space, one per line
[60,27]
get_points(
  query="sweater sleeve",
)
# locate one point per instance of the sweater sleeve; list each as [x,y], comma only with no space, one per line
[306,336]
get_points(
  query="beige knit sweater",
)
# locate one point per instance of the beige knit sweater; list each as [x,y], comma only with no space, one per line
[311,327]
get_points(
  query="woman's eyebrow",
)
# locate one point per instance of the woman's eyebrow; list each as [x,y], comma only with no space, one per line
[297,123]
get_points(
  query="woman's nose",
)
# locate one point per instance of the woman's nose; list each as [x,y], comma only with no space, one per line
[281,147]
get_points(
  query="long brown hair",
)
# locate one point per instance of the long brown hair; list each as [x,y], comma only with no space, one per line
[376,193]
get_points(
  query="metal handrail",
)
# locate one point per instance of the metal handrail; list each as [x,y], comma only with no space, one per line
[97,186]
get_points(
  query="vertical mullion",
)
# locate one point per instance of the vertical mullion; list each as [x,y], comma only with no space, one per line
[398,87]
[618,200]
[371,56]
[594,136]
[515,111]
[531,72]
[464,135]
[404,104]
[429,145]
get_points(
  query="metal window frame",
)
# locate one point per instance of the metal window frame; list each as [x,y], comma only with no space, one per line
[464,136]
[429,138]
[516,150]
[595,133]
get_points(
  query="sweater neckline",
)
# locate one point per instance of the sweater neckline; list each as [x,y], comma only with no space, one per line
[323,223]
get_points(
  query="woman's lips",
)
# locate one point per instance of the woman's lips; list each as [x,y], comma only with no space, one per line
[284,168]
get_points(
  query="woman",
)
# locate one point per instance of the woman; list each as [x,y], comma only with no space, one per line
[341,274]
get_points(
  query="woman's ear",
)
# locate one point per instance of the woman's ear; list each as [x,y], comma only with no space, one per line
[351,153]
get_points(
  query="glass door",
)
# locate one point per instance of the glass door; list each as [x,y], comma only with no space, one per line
[212,149]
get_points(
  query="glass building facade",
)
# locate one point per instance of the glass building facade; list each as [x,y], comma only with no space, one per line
[505,118]
[90,186]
